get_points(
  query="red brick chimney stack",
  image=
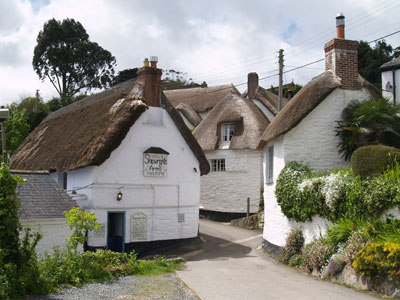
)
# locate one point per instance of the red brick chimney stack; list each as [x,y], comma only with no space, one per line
[150,77]
[341,57]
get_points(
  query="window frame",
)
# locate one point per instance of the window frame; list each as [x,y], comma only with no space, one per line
[227,132]
[269,172]
[218,165]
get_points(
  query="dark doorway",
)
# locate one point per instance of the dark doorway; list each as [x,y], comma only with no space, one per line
[116,231]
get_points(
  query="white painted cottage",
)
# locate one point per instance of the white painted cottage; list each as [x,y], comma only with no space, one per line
[304,131]
[129,155]
[391,80]
[42,207]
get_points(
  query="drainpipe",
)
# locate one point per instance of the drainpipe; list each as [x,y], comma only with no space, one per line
[394,86]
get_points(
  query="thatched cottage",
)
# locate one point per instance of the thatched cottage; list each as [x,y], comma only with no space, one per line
[130,156]
[195,103]
[229,136]
[304,131]
[42,208]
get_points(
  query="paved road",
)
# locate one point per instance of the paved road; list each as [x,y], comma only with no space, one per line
[228,266]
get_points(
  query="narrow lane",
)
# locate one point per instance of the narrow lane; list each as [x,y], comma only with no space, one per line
[228,265]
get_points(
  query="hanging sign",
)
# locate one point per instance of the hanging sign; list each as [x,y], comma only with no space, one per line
[155,162]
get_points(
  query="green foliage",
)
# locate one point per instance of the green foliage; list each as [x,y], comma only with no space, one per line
[378,259]
[316,254]
[374,121]
[372,160]
[340,232]
[79,222]
[125,75]
[370,59]
[17,129]
[302,193]
[65,55]
[294,245]
[64,268]
[19,275]
[57,103]
[286,88]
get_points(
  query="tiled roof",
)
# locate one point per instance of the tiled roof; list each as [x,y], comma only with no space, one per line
[41,197]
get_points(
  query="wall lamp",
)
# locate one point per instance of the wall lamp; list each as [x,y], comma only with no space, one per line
[119,196]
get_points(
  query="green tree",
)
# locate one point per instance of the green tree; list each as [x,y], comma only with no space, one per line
[125,75]
[79,222]
[19,275]
[374,121]
[35,110]
[65,55]
[370,59]
[17,129]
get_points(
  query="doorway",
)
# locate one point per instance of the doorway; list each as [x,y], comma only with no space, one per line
[116,231]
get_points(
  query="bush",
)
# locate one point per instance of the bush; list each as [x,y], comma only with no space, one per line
[357,240]
[335,265]
[369,161]
[294,245]
[296,260]
[378,259]
[316,255]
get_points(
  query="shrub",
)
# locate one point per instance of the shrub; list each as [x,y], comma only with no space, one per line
[378,259]
[369,161]
[294,245]
[335,265]
[296,260]
[316,255]
[355,243]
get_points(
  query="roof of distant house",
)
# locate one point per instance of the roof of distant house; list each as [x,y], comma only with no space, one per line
[189,113]
[268,99]
[309,97]
[201,99]
[249,122]
[390,65]
[86,132]
[41,197]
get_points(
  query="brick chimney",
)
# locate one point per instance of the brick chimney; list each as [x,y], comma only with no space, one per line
[150,77]
[341,57]
[252,85]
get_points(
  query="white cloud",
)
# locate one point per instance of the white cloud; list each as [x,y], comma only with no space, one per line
[215,41]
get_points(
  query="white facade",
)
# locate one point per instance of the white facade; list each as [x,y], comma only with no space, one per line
[153,208]
[54,232]
[391,84]
[227,191]
[312,142]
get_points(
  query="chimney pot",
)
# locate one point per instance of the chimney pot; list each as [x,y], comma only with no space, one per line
[340,26]
[153,61]
[203,84]
[146,62]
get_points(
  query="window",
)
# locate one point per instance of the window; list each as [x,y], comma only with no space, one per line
[227,132]
[270,166]
[218,165]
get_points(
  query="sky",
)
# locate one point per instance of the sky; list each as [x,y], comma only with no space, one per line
[216,41]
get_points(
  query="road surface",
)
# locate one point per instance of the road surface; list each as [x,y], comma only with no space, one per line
[227,266]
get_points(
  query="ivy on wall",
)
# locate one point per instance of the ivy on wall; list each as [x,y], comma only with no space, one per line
[302,193]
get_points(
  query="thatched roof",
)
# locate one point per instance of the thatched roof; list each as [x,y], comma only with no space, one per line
[268,99]
[249,122]
[189,113]
[200,99]
[309,97]
[86,132]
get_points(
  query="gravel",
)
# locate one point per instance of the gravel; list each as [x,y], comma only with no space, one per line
[160,287]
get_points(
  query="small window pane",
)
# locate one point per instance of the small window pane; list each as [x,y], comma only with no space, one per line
[218,165]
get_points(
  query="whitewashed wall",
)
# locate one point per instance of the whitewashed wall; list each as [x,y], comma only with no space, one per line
[161,199]
[54,232]
[228,191]
[313,142]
